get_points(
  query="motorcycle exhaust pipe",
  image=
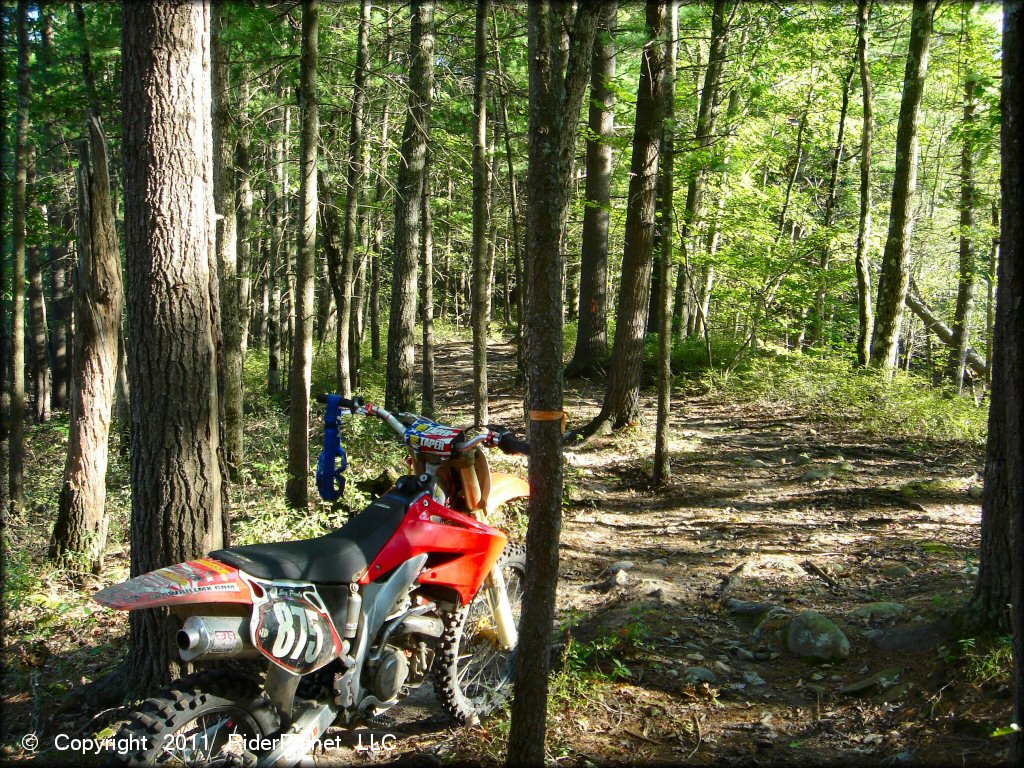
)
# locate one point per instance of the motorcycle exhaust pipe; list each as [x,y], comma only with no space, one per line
[203,638]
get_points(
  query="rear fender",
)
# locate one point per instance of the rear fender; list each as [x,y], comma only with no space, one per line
[194,582]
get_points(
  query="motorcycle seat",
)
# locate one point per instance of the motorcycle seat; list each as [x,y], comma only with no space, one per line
[334,558]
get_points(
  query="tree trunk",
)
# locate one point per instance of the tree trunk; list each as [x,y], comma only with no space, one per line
[1001,573]
[662,464]
[380,190]
[818,316]
[1005,454]
[59,223]
[38,334]
[227,243]
[942,332]
[428,298]
[990,309]
[481,216]
[5,340]
[275,276]
[21,153]
[721,26]
[555,102]
[179,499]
[408,211]
[965,285]
[301,376]
[865,312]
[622,397]
[80,534]
[243,209]
[353,181]
[513,205]
[592,334]
[895,272]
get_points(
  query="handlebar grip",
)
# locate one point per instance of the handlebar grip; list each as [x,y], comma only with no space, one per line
[351,404]
[509,443]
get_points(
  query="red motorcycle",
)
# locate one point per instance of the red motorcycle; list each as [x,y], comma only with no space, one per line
[348,623]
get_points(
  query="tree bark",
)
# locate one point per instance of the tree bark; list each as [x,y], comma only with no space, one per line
[1001,571]
[666,180]
[353,182]
[301,376]
[721,27]
[818,316]
[21,158]
[408,211]
[243,207]
[428,298]
[58,225]
[38,334]
[227,240]
[179,501]
[481,217]
[276,193]
[943,333]
[379,194]
[555,101]
[513,192]
[865,311]
[5,339]
[895,272]
[965,284]
[622,396]
[592,333]
[80,533]
[1005,454]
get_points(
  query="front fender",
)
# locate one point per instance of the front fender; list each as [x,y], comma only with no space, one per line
[505,487]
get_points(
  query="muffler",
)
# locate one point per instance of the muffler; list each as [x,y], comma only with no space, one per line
[205,638]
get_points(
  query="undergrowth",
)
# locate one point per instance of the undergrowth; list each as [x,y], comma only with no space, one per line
[832,389]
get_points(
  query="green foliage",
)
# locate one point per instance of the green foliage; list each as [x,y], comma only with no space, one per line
[829,388]
[987,661]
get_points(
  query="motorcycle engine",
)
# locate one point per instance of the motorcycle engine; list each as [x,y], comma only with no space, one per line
[391,674]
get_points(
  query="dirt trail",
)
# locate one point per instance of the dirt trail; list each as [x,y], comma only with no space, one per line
[769,507]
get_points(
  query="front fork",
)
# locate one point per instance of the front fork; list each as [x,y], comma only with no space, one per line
[501,609]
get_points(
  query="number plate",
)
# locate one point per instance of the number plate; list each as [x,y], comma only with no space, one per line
[292,627]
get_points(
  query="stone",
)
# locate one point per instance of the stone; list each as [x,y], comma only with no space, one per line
[920,638]
[882,610]
[897,572]
[699,675]
[821,473]
[660,561]
[620,565]
[847,467]
[752,678]
[722,668]
[617,579]
[801,460]
[884,679]
[815,638]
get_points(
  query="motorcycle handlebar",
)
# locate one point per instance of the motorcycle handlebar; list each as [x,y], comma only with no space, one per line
[351,404]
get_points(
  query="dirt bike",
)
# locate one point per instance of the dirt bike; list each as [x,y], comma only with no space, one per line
[347,623]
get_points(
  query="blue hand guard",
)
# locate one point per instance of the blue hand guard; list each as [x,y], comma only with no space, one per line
[330,478]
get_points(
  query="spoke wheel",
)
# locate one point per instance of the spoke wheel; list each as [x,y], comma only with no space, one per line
[472,675]
[207,719]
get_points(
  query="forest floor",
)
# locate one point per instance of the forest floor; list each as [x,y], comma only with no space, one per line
[682,657]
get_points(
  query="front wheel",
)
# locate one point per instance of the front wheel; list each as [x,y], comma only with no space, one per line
[206,719]
[472,675]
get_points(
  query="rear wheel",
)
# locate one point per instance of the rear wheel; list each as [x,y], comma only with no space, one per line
[472,675]
[211,718]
